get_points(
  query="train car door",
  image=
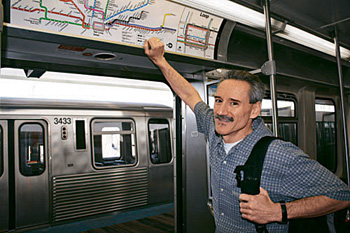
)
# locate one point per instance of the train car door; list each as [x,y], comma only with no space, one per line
[4,186]
[28,174]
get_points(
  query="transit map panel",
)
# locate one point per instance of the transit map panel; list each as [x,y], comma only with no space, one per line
[182,29]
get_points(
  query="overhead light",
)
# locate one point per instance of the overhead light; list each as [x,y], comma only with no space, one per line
[309,40]
[244,15]
[228,10]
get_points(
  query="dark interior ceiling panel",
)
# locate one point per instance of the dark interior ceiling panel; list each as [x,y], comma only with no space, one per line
[317,16]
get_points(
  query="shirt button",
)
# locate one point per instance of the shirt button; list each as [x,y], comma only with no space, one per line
[224,162]
[222,214]
[221,190]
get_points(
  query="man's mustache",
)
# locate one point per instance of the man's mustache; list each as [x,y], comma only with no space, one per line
[224,118]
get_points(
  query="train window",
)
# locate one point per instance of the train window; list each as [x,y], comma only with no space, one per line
[80,141]
[286,108]
[326,133]
[287,121]
[114,143]
[159,141]
[31,149]
[286,131]
[1,152]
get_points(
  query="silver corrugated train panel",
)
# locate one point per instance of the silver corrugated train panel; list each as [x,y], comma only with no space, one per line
[82,195]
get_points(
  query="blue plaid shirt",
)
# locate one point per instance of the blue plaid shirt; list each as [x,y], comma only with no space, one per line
[288,174]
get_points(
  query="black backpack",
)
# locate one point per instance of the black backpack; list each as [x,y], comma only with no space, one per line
[253,167]
[250,184]
[251,172]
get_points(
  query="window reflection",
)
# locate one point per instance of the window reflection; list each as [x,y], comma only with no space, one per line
[286,108]
[159,140]
[31,149]
[326,133]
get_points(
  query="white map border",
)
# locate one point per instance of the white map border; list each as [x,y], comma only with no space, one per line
[190,21]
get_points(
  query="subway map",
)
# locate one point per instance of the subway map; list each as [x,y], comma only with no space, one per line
[182,29]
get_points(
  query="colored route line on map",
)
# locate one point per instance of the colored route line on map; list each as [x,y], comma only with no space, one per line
[93,9]
[194,43]
[45,11]
[165,15]
[88,26]
[84,25]
[137,26]
[193,40]
[185,27]
[126,21]
[199,41]
[134,9]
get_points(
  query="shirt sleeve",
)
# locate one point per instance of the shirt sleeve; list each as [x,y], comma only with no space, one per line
[204,118]
[306,177]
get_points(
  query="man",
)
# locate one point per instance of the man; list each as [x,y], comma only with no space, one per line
[288,175]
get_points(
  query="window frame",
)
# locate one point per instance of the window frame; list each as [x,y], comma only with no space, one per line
[284,97]
[123,132]
[285,119]
[335,155]
[20,159]
[1,150]
[159,121]
[76,134]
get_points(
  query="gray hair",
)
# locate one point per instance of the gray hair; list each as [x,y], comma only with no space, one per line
[257,87]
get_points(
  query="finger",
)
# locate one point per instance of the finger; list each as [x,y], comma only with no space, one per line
[152,43]
[146,46]
[264,192]
[155,43]
[245,205]
[154,39]
[244,197]
[243,208]
[249,217]
[245,216]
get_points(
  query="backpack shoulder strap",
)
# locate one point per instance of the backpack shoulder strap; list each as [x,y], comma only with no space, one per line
[249,175]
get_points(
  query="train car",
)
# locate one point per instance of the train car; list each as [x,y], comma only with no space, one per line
[300,50]
[65,160]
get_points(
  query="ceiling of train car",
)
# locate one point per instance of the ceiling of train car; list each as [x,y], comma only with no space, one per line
[318,16]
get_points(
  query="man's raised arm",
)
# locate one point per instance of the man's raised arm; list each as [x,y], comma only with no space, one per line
[154,49]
